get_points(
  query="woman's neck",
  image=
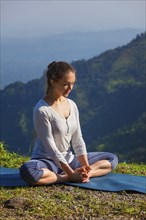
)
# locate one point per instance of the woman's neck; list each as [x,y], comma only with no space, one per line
[52,98]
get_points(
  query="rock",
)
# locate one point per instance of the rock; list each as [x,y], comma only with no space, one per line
[69,188]
[17,203]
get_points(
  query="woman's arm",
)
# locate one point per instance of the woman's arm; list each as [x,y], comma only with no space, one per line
[77,141]
[80,148]
[67,169]
[83,160]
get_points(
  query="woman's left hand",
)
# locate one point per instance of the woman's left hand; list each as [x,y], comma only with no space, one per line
[84,172]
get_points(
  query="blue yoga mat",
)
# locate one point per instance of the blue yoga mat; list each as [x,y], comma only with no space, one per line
[111,182]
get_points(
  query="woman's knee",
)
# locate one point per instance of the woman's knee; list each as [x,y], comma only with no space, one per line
[30,172]
[98,156]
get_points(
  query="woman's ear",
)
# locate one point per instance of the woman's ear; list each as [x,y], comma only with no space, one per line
[52,82]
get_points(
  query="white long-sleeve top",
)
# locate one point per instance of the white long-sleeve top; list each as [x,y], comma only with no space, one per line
[56,135]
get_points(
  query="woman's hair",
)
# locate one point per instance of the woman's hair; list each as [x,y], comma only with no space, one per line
[56,71]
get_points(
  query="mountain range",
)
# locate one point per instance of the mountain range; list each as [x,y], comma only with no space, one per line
[24,59]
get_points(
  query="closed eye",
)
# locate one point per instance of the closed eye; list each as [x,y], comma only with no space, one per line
[69,84]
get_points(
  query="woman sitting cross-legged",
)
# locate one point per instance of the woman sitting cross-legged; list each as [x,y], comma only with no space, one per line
[56,122]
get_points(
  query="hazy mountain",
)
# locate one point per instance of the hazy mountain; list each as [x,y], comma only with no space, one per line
[24,59]
[110,93]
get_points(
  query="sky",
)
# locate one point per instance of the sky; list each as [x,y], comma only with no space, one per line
[26,18]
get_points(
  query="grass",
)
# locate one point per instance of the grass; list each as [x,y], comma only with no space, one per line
[70,203]
[11,160]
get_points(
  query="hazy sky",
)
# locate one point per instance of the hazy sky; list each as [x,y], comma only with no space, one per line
[34,18]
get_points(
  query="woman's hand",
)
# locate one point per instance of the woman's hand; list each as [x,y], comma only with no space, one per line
[84,172]
[81,174]
[84,169]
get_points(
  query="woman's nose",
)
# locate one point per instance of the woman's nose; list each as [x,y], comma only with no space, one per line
[70,87]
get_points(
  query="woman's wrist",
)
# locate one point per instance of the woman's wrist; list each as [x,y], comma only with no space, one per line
[83,160]
[67,169]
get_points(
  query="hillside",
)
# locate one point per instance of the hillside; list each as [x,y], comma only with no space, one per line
[112,87]
[110,94]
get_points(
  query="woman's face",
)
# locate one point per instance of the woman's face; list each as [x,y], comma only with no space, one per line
[64,86]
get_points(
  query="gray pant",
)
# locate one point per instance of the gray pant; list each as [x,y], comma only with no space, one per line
[31,171]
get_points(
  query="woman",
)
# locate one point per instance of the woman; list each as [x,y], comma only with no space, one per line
[56,121]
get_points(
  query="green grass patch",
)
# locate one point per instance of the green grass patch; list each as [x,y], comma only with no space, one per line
[11,160]
[132,168]
[60,202]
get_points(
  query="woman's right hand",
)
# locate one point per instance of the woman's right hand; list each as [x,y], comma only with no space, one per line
[81,174]
[78,176]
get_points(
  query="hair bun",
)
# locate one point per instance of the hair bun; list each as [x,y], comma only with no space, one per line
[51,64]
